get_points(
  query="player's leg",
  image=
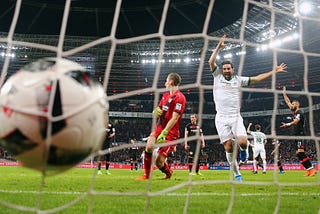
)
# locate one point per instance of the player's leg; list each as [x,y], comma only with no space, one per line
[190,159]
[147,161]
[223,127]
[136,165]
[280,167]
[264,160]
[198,168]
[255,159]
[304,159]
[131,164]
[247,162]
[99,167]
[161,163]
[101,158]
[241,136]
[108,158]
[255,170]
[170,159]
[229,146]
[198,163]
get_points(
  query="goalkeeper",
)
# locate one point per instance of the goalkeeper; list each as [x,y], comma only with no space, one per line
[169,116]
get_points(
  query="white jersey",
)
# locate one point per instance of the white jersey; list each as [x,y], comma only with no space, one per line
[258,138]
[226,93]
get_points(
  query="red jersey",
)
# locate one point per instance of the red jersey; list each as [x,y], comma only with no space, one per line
[169,104]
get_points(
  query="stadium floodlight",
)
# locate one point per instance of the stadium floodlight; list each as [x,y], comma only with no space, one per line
[305,7]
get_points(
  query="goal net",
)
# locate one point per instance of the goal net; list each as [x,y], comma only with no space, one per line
[132,69]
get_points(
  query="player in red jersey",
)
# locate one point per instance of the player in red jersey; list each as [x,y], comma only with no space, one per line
[169,116]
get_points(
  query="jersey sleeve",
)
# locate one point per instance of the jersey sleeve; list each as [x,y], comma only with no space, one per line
[245,81]
[180,104]
[216,71]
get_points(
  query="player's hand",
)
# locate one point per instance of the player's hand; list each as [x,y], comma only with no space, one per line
[162,137]
[157,112]
[281,68]
[221,42]
[284,125]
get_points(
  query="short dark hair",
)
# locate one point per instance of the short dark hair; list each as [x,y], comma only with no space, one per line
[176,78]
[227,62]
[296,102]
[193,114]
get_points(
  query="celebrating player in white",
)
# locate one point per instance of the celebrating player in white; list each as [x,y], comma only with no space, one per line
[227,94]
[259,140]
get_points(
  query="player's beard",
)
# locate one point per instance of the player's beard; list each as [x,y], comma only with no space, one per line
[227,75]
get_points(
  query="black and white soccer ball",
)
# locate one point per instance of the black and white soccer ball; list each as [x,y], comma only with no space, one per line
[52,115]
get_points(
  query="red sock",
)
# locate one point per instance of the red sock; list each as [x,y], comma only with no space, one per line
[147,163]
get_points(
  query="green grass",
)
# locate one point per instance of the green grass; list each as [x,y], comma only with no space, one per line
[210,193]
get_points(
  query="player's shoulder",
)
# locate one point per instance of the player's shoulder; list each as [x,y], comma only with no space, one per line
[299,111]
[180,94]
[166,95]
[189,124]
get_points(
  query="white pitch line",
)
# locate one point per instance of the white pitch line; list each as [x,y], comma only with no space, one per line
[168,194]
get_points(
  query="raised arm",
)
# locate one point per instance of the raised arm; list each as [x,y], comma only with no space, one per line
[261,77]
[249,127]
[212,60]
[286,98]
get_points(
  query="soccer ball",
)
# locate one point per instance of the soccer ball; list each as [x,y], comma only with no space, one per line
[52,115]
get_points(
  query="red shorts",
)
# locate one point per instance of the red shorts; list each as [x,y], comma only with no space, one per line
[165,151]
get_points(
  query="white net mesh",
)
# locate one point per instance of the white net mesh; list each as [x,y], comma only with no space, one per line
[133,71]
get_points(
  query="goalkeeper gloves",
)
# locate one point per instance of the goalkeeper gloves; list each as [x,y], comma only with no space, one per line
[162,137]
[157,112]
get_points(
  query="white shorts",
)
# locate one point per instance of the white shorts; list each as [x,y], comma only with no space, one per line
[230,127]
[259,149]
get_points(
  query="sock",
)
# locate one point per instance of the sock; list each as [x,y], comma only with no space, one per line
[236,171]
[190,167]
[131,166]
[249,162]
[197,168]
[136,166]
[107,165]
[147,163]
[243,154]
[280,166]
[165,168]
[264,164]
[255,165]
[99,166]
[304,160]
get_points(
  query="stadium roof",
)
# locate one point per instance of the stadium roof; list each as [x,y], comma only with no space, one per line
[137,17]
[40,20]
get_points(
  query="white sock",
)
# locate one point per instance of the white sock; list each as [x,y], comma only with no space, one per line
[255,165]
[250,162]
[264,165]
[234,163]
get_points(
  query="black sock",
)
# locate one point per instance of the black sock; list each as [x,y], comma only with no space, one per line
[304,160]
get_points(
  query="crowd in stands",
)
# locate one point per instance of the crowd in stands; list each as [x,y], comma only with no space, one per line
[192,106]
[139,128]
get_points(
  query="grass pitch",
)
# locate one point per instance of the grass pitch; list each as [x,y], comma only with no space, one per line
[82,191]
